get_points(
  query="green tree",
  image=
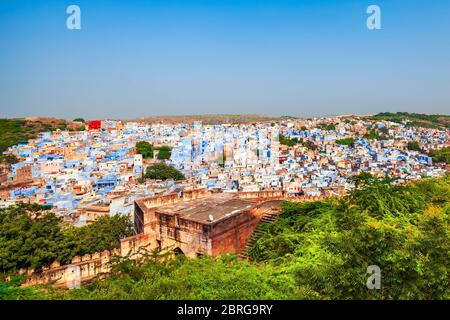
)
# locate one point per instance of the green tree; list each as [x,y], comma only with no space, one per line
[286,141]
[145,149]
[413,146]
[31,237]
[346,141]
[164,152]
[103,234]
[161,171]
[402,229]
[79,120]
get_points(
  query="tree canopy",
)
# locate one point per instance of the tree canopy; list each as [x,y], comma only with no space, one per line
[402,229]
[441,155]
[413,146]
[161,171]
[286,141]
[31,237]
[145,149]
[346,141]
[164,152]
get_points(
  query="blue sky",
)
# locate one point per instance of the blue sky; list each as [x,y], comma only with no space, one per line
[302,58]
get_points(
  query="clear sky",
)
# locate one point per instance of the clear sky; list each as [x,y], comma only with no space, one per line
[301,58]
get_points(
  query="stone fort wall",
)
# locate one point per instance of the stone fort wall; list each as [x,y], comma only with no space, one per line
[81,269]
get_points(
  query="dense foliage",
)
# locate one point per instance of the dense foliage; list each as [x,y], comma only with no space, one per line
[441,155]
[328,245]
[286,141]
[161,171]
[10,159]
[164,152]
[317,250]
[145,149]
[31,237]
[12,290]
[103,234]
[181,278]
[413,146]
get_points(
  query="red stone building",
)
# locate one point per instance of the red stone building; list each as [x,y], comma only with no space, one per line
[194,223]
[210,226]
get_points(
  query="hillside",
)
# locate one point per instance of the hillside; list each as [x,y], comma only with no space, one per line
[15,131]
[318,250]
[415,119]
[212,119]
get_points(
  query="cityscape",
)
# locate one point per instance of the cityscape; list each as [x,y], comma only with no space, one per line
[75,171]
[200,189]
[230,158]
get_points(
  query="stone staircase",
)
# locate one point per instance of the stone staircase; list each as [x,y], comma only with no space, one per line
[268,218]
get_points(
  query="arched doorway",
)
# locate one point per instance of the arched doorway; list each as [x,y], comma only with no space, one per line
[178,251]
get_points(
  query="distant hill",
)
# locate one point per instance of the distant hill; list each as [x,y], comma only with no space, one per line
[15,131]
[415,119]
[212,119]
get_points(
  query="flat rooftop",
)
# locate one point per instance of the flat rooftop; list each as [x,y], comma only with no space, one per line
[218,205]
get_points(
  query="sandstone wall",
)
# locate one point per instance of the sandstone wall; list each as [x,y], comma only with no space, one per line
[80,270]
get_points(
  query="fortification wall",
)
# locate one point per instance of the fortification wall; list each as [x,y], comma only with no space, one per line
[172,198]
[136,245]
[262,195]
[81,269]
[269,195]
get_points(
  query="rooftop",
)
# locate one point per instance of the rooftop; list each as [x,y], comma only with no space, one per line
[217,205]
